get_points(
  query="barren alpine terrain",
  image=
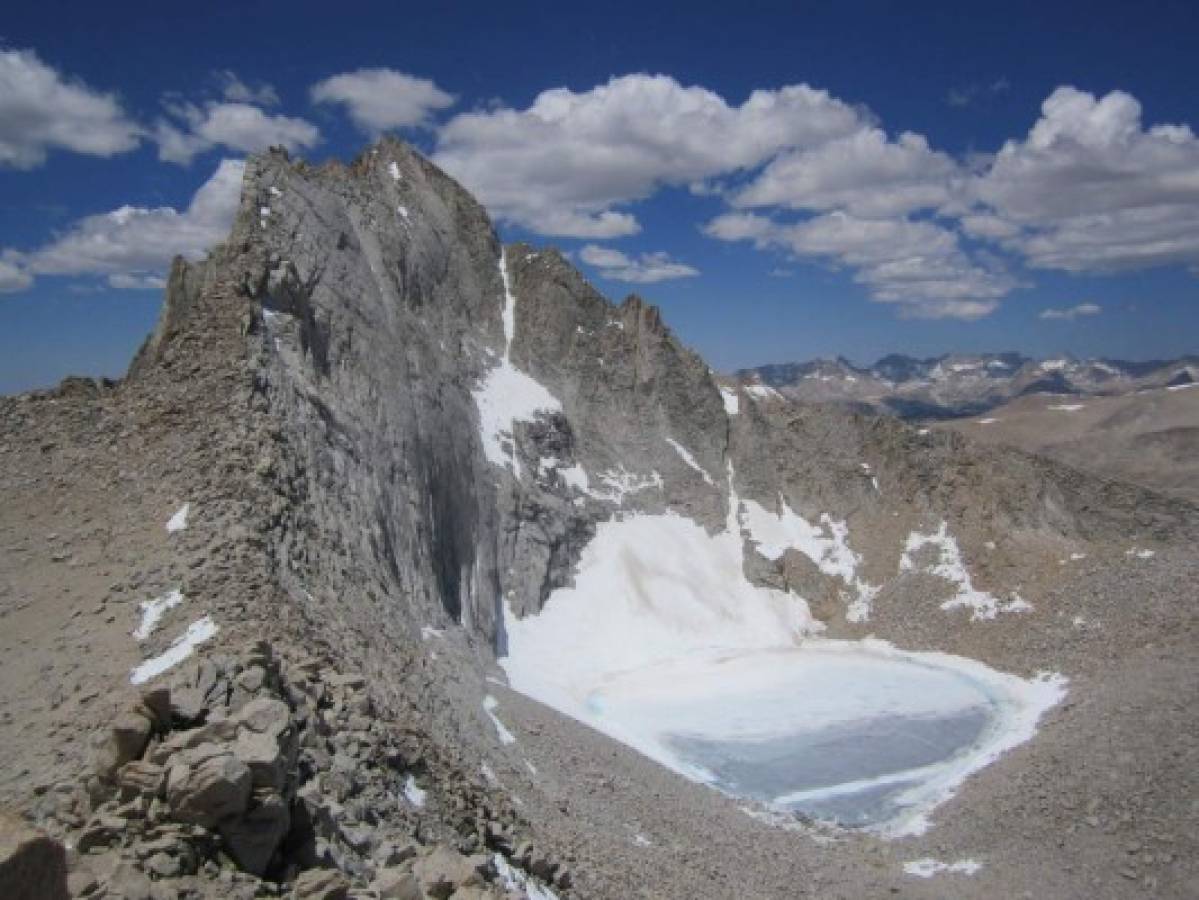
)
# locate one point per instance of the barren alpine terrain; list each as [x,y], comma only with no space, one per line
[1149,437]
[404,564]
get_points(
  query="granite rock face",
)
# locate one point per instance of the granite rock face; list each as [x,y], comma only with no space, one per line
[380,314]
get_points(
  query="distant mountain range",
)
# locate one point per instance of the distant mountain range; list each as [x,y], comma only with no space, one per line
[955,385]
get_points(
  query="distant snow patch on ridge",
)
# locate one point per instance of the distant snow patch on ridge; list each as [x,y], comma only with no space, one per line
[508,395]
[952,568]
[732,403]
[490,704]
[928,867]
[178,521]
[153,611]
[197,633]
[762,392]
[826,544]
[1067,407]
[686,456]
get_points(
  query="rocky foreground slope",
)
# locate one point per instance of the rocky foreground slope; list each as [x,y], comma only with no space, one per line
[395,438]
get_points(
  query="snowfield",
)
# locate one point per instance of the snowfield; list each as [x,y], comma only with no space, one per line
[507,395]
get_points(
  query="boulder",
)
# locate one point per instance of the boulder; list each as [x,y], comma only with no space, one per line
[156,705]
[33,866]
[397,884]
[207,784]
[139,778]
[264,757]
[321,884]
[218,731]
[128,883]
[444,871]
[188,705]
[253,837]
[125,740]
[264,715]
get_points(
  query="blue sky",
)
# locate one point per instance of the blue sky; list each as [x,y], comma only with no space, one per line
[785,180]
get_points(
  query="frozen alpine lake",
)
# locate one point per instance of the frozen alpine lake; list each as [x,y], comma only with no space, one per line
[664,645]
[837,731]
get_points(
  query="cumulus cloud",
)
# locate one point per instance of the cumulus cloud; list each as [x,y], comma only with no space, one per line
[918,265]
[13,277]
[863,173]
[196,129]
[237,91]
[131,282]
[379,100]
[40,110]
[1090,189]
[563,165]
[1070,313]
[648,268]
[133,246]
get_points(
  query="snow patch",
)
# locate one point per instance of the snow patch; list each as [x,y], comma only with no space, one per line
[686,456]
[988,421]
[178,521]
[1140,554]
[490,704]
[928,867]
[1068,407]
[762,392]
[515,879]
[153,611]
[732,403]
[394,169]
[197,633]
[826,544]
[412,791]
[952,568]
[508,395]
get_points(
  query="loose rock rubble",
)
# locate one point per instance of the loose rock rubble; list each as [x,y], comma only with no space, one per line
[250,773]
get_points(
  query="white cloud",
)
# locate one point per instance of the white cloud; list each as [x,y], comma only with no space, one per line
[13,278]
[128,281]
[561,166]
[862,173]
[134,245]
[1070,313]
[918,265]
[648,268]
[236,126]
[379,100]
[1092,190]
[237,91]
[41,110]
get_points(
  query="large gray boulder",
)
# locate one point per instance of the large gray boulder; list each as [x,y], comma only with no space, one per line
[207,784]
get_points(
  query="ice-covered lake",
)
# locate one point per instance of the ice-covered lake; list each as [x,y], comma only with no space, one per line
[838,732]
[663,644]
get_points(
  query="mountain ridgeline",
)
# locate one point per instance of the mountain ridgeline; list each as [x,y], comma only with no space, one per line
[957,385]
